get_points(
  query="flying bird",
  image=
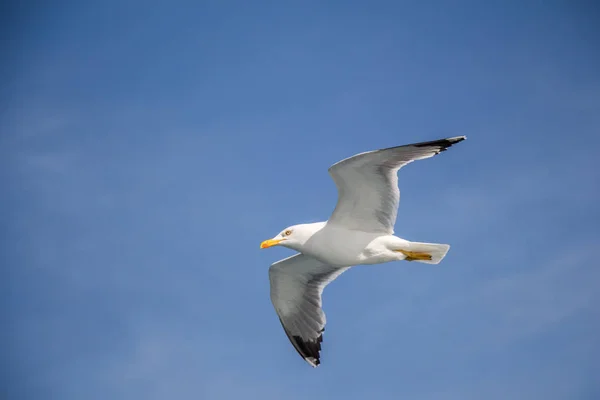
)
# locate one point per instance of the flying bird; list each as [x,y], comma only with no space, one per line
[360,231]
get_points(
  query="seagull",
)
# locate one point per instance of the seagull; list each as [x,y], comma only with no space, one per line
[360,231]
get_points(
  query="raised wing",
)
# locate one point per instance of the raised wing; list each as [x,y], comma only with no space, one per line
[367,184]
[297,283]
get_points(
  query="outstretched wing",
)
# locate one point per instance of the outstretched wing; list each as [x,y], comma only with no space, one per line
[297,283]
[367,184]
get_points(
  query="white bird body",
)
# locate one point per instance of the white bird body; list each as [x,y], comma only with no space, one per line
[357,248]
[360,231]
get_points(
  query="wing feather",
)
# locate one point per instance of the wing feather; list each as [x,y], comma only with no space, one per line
[297,284]
[367,184]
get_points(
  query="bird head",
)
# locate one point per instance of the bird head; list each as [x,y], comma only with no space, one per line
[292,237]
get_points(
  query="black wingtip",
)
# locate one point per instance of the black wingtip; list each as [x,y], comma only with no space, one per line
[309,350]
[443,144]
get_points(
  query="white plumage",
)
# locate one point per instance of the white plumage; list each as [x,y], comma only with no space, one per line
[359,231]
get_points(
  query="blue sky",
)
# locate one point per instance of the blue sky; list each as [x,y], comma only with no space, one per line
[147,149]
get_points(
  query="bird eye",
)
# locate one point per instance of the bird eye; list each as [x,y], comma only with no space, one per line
[287,233]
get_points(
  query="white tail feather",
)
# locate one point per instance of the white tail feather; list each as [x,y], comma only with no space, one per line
[437,251]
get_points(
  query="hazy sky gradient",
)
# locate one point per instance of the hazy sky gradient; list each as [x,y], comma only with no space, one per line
[147,149]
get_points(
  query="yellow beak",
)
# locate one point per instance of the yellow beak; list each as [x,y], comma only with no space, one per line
[269,243]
